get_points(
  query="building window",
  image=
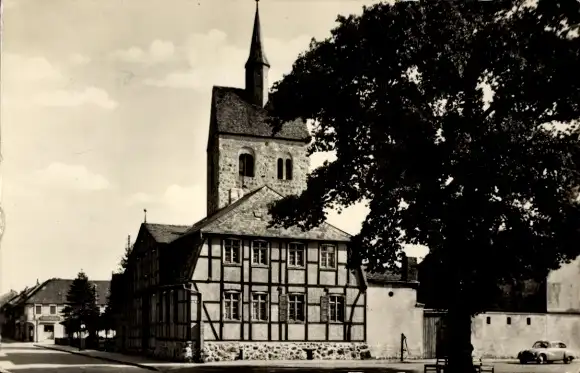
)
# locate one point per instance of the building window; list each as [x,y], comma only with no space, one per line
[260,306]
[296,254]
[246,165]
[38,310]
[260,252]
[288,169]
[336,308]
[232,251]
[296,307]
[328,256]
[280,169]
[509,320]
[232,306]
[488,320]
[53,310]
[529,321]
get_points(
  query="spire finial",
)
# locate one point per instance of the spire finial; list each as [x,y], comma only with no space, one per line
[145,219]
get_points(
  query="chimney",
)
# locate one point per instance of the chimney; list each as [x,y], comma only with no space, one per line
[409,269]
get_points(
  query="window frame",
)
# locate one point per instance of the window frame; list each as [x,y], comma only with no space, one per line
[243,169]
[326,257]
[266,254]
[280,169]
[266,315]
[227,294]
[288,169]
[291,316]
[288,256]
[339,304]
[239,252]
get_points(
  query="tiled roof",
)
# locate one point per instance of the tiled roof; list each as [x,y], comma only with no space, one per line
[54,291]
[233,114]
[249,215]
[165,233]
[383,277]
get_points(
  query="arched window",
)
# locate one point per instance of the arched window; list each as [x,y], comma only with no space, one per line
[288,169]
[246,165]
[280,168]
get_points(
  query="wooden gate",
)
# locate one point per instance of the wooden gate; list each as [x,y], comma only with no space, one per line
[433,334]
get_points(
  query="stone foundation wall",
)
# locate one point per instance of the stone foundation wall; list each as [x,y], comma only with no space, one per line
[170,350]
[228,351]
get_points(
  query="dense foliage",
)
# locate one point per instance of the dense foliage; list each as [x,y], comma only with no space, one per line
[473,173]
[81,307]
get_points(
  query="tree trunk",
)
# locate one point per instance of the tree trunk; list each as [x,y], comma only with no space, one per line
[458,346]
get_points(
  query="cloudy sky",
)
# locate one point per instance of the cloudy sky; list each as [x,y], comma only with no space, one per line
[105,112]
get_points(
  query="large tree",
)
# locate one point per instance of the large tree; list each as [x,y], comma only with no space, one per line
[81,307]
[399,95]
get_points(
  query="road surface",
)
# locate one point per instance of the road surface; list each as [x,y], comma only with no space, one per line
[26,358]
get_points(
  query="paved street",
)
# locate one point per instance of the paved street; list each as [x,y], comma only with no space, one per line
[25,357]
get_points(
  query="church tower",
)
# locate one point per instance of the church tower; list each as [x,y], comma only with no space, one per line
[243,154]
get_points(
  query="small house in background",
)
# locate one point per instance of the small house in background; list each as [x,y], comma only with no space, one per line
[35,314]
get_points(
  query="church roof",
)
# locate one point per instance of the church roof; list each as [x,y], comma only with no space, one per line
[165,233]
[249,216]
[233,113]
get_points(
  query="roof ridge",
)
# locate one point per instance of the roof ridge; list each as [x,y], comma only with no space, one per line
[168,225]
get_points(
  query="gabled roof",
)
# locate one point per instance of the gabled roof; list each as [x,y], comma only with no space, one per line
[54,291]
[165,233]
[249,216]
[233,113]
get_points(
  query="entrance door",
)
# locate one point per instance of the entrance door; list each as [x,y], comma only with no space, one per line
[48,331]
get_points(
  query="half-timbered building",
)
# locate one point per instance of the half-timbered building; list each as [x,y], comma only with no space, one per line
[231,285]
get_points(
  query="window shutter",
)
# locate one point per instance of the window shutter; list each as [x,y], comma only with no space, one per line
[283,307]
[324,308]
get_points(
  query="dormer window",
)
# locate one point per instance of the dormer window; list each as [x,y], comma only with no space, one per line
[246,165]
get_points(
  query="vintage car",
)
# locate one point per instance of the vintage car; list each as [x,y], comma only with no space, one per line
[546,352]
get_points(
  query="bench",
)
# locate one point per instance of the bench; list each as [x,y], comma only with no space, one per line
[441,363]
[481,368]
[438,367]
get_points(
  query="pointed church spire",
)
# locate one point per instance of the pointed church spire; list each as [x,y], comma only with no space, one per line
[257,55]
[257,66]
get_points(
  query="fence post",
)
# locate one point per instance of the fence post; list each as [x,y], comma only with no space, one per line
[402,345]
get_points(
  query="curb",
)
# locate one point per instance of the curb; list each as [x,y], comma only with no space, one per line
[100,358]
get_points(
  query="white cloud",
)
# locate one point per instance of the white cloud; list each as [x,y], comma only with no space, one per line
[159,51]
[29,81]
[62,98]
[64,176]
[17,69]
[79,59]
[176,205]
[213,61]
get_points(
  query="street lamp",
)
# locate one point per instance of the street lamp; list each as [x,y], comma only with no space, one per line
[81,339]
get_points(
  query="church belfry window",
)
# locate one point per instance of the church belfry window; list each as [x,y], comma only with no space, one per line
[284,167]
[288,169]
[280,168]
[246,165]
